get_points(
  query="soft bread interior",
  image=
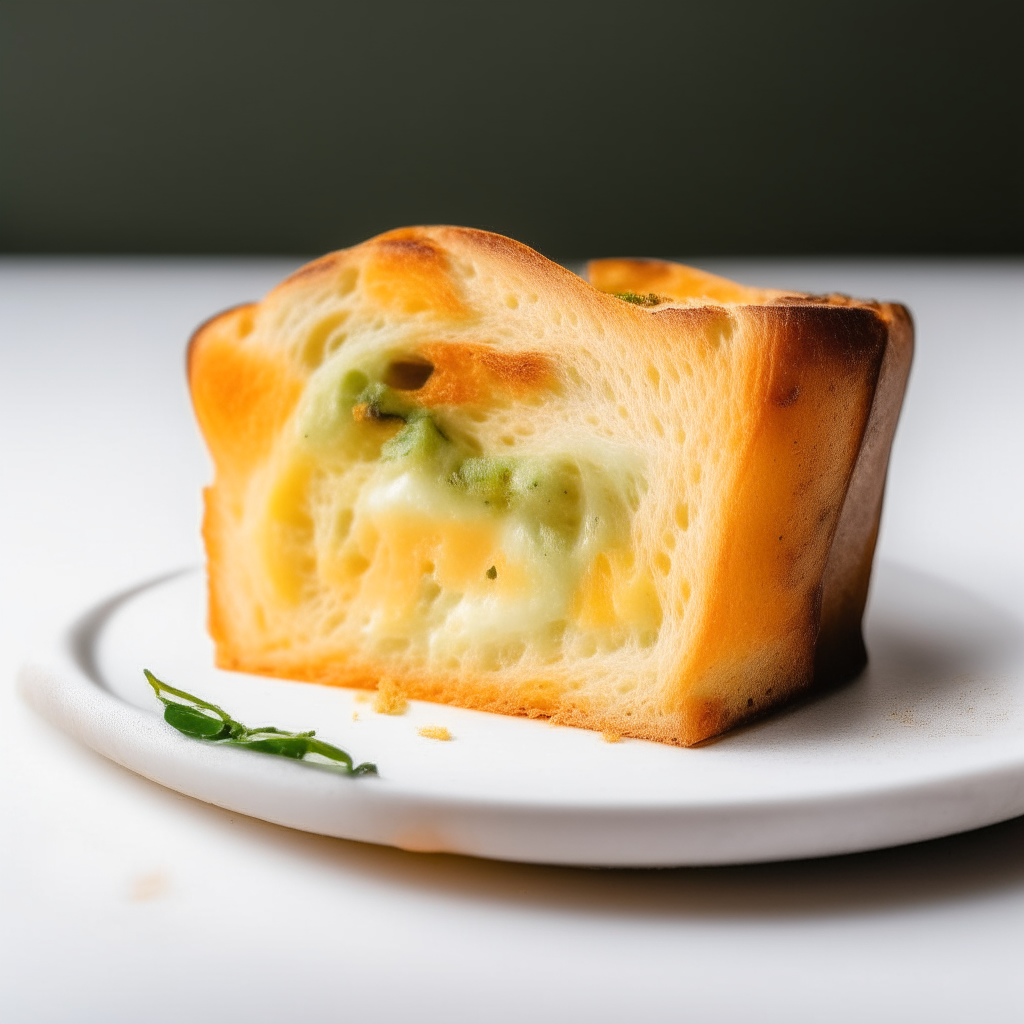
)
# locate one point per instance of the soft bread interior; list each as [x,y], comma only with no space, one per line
[471,472]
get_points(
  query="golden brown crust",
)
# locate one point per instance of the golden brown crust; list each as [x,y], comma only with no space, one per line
[241,396]
[789,554]
[472,374]
[758,646]
[670,281]
[840,652]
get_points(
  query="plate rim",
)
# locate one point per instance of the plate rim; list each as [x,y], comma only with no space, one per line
[66,688]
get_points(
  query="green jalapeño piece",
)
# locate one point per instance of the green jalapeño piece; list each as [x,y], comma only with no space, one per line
[648,300]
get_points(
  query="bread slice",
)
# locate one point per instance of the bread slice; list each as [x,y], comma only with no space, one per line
[645,505]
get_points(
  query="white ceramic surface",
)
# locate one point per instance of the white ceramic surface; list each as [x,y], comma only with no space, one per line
[929,741]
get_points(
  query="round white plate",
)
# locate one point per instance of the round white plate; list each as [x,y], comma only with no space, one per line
[928,741]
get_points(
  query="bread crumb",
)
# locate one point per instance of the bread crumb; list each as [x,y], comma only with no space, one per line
[148,887]
[389,699]
[611,737]
[435,732]
[355,716]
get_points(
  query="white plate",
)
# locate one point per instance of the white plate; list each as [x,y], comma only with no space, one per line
[929,741]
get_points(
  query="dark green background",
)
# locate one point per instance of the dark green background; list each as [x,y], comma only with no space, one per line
[598,128]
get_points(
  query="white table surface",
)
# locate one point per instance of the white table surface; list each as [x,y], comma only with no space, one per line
[124,902]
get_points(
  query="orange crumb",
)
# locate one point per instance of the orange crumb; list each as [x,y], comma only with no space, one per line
[148,887]
[355,716]
[389,699]
[435,732]
[611,737]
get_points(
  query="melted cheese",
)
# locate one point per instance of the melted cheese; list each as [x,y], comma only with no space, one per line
[436,552]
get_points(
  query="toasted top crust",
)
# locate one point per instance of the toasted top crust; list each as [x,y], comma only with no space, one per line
[673,283]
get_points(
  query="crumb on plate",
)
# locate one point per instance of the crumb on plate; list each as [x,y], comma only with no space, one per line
[148,887]
[435,732]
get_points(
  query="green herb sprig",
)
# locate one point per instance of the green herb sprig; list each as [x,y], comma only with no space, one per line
[194,719]
[650,299]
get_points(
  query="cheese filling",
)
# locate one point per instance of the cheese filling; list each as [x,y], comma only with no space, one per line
[406,530]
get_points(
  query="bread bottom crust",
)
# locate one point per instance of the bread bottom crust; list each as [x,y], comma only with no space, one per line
[697,721]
